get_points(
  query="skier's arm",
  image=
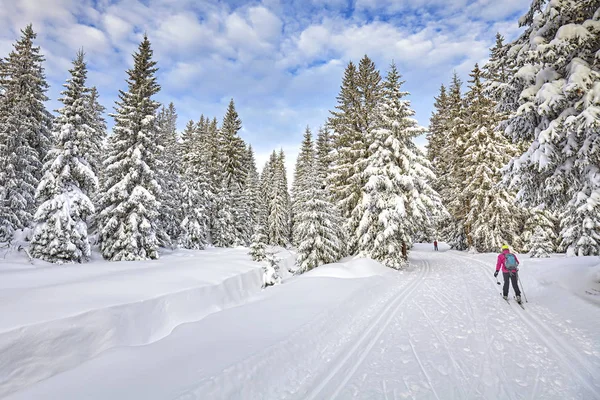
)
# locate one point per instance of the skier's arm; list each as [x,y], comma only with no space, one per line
[500,262]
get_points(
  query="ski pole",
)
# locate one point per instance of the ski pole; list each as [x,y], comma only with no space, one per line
[523,290]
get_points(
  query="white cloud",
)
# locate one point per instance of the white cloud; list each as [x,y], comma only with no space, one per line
[266,24]
[116,27]
[281,60]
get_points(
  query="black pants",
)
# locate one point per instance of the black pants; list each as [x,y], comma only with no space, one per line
[508,276]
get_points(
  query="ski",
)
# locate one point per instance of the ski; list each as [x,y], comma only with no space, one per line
[521,304]
[505,299]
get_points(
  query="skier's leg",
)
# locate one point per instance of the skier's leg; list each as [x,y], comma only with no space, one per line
[515,284]
[505,287]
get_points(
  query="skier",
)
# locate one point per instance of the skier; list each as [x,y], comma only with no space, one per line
[509,263]
[435,245]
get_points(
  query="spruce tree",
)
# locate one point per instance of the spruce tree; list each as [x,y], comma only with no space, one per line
[129,207]
[540,245]
[398,198]
[258,247]
[453,180]
[437,139]
[278,219]
[24,133]
[234,155]
[252,190]
[94,148]
[195,189]
[318,227]
[323,156]
[303,179]
[169,177]
[547,221]
[60,234]
[492,217]
[266,192]
[351,122]
[554,108]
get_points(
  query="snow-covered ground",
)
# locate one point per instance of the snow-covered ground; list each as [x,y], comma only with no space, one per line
[196,325]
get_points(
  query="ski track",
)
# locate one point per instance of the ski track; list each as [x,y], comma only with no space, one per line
[370,337]
[432,332]
[559,346]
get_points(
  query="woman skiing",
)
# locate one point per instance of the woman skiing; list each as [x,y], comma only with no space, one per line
[509,263]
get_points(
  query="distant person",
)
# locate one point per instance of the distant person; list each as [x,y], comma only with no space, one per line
[435,245]
[509,264]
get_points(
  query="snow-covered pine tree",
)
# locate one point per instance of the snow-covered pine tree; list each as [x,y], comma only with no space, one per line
[318,227]
[544,219]
[278,219]
[60,233]
[129,207]
[94,148]
[323,156]
[194,225]
[350,124]
[271,270]
[266,192]
[303,178]
[258,247]
[169,177]
[492,217]
[252,190]
[540,245]
[234,155]
[437,139]
[497,72]
[398,198]
[553,97]
[451,187]
[25,127]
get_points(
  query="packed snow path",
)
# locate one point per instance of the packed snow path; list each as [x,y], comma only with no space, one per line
[439,330]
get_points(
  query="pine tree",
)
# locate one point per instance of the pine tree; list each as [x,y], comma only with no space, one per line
[195,189]
[129,207]
[278,219]
[258,247]
[539,217]
[437,139]
[492,217]
[398,198]
[24,133]
[318,227]
[234,154]
[323,156]
[252,190]
[452,188]
[540,244]
[94,148]
[355,115]
[553,101]
[61,231]
[303,179]
[169,177]
[266,192]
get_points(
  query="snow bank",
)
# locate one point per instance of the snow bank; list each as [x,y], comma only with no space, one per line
[354,268]
[577,275]
[55,318]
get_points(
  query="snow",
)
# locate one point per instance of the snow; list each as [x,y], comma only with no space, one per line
[350,330]
[354,268]
[103,305]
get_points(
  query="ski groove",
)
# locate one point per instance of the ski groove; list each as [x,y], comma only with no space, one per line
[370,336]
[558,345]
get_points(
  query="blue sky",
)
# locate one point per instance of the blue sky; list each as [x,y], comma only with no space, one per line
[281,61]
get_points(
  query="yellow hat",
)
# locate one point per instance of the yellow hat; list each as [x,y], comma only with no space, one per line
[505,247]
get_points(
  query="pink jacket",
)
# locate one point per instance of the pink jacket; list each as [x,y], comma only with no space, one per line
[502,259]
